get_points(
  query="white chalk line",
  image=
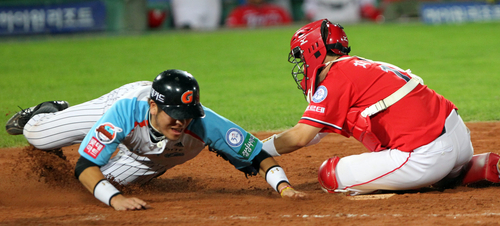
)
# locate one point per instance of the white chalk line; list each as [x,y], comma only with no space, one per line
[394,215]
[348,215]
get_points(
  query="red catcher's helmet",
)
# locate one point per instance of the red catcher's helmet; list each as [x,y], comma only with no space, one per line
[309,46]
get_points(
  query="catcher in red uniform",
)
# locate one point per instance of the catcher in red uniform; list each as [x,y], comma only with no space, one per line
[415,136]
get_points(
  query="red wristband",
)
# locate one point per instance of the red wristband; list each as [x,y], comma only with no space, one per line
[285,188]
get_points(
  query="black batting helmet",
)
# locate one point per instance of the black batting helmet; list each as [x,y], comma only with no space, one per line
[177,93]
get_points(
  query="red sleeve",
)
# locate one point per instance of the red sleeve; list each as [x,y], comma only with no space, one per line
[413,121]
[329,106]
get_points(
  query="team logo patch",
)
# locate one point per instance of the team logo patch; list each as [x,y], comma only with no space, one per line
[320,94]
[234,137]
[94,148]
[107,132]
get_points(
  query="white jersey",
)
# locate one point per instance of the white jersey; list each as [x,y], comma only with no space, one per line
[119,119]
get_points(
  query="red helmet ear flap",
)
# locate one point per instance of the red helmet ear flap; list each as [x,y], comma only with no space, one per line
[334,38]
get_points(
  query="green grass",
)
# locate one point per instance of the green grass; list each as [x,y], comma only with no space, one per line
[244,74]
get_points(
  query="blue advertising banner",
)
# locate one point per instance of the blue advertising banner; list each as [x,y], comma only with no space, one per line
[459,12]
[57,18]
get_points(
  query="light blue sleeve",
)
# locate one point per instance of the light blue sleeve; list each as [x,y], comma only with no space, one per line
[116,123]
[236,145]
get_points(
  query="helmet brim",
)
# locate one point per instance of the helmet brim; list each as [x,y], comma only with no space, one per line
[184,111]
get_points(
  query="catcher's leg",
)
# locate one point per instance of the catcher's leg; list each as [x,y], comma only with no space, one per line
[326,175]
[482,168]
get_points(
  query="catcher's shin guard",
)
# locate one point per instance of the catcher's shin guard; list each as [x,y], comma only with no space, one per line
[482,168]
[326,174]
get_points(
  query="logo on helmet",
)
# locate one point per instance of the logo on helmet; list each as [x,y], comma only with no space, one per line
[187,97]
[303,41]
[157,96]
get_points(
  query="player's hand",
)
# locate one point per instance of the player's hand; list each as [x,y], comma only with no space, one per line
[294,194]
[121,202]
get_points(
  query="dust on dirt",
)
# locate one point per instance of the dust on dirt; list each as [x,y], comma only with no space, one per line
[39,188]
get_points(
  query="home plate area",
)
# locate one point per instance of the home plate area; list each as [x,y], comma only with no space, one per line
[38,189]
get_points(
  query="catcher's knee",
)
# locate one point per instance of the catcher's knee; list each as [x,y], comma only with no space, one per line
[481,168]
[326,174]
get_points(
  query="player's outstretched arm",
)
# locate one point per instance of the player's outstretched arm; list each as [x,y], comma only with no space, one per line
[275,176]
[301,135]
[92,178]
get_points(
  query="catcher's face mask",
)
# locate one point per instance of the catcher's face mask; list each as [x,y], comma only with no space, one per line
[309,46]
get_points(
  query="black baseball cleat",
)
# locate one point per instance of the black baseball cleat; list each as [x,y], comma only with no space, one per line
[16,123]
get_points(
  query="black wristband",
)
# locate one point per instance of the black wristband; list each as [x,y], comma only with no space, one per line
[259,158]
[81,165]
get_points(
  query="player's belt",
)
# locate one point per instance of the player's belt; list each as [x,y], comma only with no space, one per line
[443,132]
[451,120]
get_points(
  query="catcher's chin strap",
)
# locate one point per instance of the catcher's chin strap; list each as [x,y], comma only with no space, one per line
[339,47]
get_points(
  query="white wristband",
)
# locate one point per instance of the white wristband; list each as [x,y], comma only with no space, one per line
[268,146]
[104,191]
[275,175]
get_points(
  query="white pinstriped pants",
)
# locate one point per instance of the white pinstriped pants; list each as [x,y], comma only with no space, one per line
[70,126]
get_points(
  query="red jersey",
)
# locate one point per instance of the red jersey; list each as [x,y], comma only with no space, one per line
[415,120]
[257,16]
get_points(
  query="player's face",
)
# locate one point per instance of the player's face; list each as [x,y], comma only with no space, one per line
[171,128]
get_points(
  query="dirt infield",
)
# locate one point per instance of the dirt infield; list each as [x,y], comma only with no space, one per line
[39,189]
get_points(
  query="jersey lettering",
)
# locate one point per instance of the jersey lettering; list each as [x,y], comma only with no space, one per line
[157,96]
[93,148]
[361,63]
[396,72]
[315,109]
[248,147]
